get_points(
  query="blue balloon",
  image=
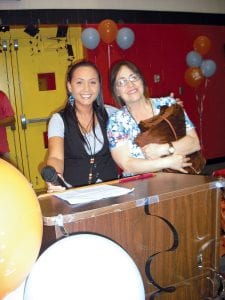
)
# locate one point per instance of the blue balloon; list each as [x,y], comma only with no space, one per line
[208,67]
[125,38]
[193,59]
[90,38]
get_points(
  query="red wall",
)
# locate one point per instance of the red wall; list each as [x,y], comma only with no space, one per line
[162,49]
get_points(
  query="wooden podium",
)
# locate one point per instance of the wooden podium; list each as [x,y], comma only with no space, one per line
[169,225]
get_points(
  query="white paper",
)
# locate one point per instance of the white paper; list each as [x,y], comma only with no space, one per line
[89,194]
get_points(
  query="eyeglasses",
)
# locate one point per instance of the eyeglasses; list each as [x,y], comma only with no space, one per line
[124,81]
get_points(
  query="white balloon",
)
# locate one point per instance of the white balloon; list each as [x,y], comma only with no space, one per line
[90,38]
[208,67]
[125,38]
[84,267]
[193,59]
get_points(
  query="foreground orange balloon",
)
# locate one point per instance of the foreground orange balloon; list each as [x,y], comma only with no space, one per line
[202,44]
[107,30]
[194,77]
[20,228]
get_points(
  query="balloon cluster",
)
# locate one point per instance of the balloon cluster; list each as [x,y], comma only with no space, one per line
[199,68]
[107,32]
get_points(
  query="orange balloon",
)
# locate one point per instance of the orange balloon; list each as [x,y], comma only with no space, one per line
[21,228]
[107,30]
[202,44]
[194,77]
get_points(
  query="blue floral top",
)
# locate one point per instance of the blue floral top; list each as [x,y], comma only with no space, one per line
[123,128]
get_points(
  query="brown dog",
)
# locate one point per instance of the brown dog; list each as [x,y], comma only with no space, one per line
[169,126]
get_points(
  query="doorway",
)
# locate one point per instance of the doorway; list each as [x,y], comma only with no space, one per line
[33,70]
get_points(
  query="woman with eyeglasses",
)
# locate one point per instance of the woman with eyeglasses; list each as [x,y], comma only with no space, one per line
[78,147]
[129,89]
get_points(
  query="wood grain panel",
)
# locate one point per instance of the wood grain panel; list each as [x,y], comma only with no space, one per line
[185,215]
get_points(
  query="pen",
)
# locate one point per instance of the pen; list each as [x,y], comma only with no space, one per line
[136,177]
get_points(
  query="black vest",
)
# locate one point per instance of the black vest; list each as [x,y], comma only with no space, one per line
[77,160]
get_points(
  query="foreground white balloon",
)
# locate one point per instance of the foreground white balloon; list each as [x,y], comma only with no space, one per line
[84,267]
[125,38]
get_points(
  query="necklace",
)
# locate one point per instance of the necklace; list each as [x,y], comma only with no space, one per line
[85,131]
[87,128]
[92,158]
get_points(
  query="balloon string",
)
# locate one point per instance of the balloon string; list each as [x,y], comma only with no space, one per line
[200,105]
[206,82]
[109,63]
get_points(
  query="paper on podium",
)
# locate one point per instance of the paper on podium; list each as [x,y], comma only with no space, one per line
[89,194]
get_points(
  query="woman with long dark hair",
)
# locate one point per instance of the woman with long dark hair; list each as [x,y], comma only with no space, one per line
[77,142]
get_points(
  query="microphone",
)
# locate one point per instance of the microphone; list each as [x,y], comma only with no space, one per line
[49,174]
